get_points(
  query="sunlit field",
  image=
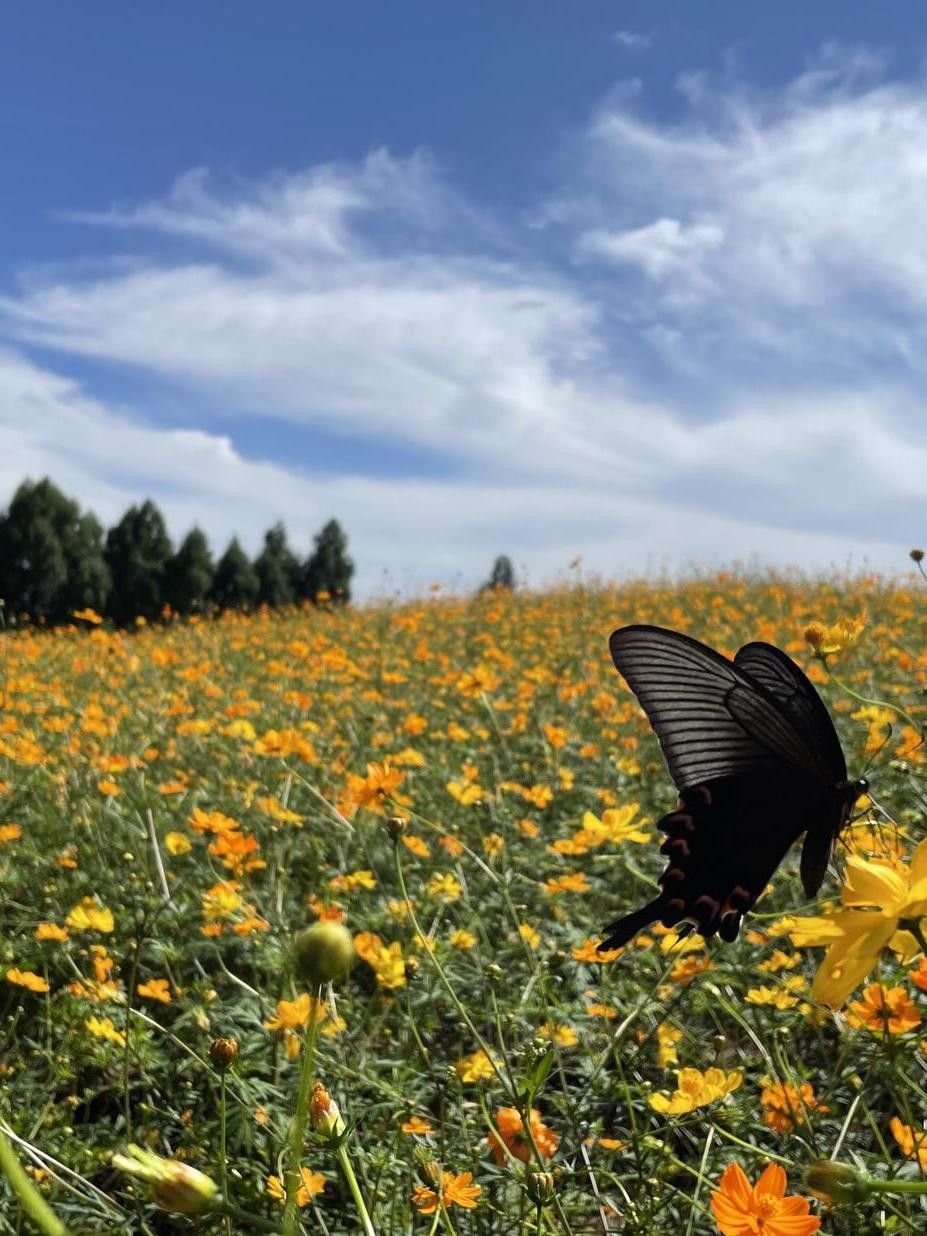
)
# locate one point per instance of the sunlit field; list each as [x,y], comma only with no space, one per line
[469,788]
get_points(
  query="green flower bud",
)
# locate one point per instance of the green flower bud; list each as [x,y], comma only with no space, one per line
[176,1187]
[837,1184]
[323,953]
[917,555]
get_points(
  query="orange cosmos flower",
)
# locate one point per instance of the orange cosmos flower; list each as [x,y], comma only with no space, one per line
[787,1105]
[455,1191]
[762,1209]
[512,1135]
[884,1010]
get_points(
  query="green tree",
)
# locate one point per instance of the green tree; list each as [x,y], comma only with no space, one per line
[277,569]
[190,574]
[328,569]
[138,550]
[235,584]
[503,575]
[51,556]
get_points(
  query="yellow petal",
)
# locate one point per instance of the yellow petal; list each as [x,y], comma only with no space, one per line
[811,931]
[870,884]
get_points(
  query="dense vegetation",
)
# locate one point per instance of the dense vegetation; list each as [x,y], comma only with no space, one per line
[180,802]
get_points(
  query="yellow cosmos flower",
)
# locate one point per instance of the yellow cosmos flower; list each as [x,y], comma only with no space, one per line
[462,939]
[445,886]
[696,1089]
[103,1028]
[177,843]
[856,936]
[775,997]
[842,634]
[51,931]
[475,1067]
[155,989]
[88,915]
[667,1038]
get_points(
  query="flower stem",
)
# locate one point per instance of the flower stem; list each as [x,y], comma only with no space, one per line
[223,1152]
[293,1179]
[865,700]
[28,1195]
[348,1171]
[245,1216]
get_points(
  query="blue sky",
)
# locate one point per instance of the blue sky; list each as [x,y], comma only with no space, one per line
[641,282]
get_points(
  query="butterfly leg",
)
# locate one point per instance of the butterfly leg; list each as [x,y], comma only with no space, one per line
[623,929]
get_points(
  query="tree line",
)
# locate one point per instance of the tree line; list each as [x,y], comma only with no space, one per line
[56,560]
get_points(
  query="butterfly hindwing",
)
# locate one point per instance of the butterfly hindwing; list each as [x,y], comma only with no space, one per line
[711,719]
[783,679]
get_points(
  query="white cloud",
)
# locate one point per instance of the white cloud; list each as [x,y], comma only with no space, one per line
[792,221]
[632,40]
[760,248]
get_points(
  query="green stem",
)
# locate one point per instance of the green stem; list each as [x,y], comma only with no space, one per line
[455,1000]
[897,1186]
[348,1171]
[293,1179]
[245,1216]
[223,1153]
[29,1197]
[865,700]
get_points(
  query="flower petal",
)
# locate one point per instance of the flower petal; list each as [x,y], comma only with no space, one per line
[772,1180]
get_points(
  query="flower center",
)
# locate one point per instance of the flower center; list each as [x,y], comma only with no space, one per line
[766,1208]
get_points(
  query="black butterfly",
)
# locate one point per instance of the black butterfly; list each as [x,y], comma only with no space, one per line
[757,762]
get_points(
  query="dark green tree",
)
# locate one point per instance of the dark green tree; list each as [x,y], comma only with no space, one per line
[235,584]
[277,569]
[138,550]
[503,575]
[328,569]
[190,573]
[51,555]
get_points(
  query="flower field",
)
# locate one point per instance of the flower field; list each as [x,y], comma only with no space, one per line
[470,790]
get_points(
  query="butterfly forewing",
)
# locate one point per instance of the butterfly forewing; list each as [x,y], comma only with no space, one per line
[711,718]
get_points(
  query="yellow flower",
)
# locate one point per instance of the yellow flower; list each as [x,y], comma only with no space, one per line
[416,1126]
[50,931]
[771,996]
[462,939]
[466,792]
[667,1038]
[912,1141]
[418,847]
[842,634]
[475,1067]
[563,1036]
[696,1089]
[10,832]
[444,886]
[26,978]
[856,936]
[155,989]
[531,937]
[177,843]
[88,915]
[103,1028]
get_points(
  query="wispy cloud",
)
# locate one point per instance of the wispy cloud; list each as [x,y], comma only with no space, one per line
[713,349]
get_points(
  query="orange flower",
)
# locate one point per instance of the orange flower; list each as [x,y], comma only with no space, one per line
[455,1191]
[512,1136]
[884,1010]
[788,1105]
[377,789]
[155,989]
[912,1142]
[763,1209]
[416,1126]
[26,978]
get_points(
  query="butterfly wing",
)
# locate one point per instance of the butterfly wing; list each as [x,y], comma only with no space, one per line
[781,678]
[712,720]
[715,870]
[743,750]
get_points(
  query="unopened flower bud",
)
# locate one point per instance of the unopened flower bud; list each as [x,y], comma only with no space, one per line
[175,1187]
[323,953]
[324,1113]
[396,827]
[917,555]
[223,1052]
[540,1186]
[429,1169]
[837,1184]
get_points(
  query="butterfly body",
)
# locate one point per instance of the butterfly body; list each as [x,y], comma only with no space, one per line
[757,764]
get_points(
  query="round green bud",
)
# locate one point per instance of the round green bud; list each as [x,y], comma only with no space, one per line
[323,953]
